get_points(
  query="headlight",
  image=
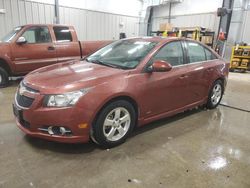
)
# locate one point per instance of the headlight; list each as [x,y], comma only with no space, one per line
[66,99]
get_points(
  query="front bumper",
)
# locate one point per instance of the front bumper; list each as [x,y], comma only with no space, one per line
[37,117]
[56,138]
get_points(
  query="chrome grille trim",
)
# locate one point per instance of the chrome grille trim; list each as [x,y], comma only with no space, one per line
[25,96]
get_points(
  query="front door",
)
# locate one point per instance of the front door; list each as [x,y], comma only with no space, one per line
[37,52]
[166,91]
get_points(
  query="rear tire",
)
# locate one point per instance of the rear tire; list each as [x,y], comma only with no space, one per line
[114,124]
[4,78]
[215,94]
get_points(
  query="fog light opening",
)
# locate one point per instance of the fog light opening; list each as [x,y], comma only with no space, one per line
[50,130]
[63,131]
[56,130]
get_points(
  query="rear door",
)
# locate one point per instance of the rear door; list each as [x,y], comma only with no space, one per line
[39,50]
[199,77]
[67,45]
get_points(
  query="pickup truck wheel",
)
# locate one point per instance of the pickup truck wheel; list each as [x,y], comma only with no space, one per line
[215,95]
[114,123]
[4,77]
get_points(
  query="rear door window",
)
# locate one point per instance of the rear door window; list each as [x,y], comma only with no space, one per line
[62,34]
[196,52]
[172,53]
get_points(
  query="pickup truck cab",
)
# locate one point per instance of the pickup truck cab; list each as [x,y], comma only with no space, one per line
[29,47]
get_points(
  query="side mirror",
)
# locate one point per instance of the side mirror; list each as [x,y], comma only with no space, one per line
[21,40]
[159,66]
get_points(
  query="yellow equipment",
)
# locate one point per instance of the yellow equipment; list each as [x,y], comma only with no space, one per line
[240,58]
[165,34]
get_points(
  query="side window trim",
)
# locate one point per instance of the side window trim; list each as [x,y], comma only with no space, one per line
[48,42]
[185,52]
[205,53]
[206,48]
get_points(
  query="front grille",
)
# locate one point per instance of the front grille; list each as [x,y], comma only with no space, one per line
[21,99]
[24,101]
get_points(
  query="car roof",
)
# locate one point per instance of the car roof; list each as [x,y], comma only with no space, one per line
[46,25]
[155,39]
[160,39]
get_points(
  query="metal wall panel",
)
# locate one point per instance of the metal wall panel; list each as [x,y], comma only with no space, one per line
[93,25]
[90,25]
[246,29]
[19,12]
[22,13]
[2,20]
[35,13]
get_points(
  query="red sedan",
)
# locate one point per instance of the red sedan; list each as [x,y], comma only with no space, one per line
[128,83]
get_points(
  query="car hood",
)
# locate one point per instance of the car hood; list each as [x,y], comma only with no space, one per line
[70,76]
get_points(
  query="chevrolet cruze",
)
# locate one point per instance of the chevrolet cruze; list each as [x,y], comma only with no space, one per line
[128,83]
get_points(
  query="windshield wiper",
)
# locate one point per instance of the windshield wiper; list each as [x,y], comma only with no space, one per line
[108,64]
[104,63]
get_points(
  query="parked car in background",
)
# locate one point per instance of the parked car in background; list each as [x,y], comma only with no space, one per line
[29,47]
[128,83]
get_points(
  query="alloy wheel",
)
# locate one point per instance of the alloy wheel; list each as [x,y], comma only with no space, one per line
[116,124]
[216,94]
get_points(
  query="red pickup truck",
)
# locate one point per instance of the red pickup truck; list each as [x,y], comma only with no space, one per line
[29,47]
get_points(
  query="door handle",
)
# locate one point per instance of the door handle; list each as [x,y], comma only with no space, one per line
[210,69]
[183,76]
[50,48]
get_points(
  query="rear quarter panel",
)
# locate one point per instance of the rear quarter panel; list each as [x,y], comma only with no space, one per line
[220,70]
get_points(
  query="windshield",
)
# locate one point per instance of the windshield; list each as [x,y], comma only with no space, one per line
[125,54]
[11,35]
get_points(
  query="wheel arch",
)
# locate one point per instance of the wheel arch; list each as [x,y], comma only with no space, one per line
[127,98]
[5,65]
[221,78]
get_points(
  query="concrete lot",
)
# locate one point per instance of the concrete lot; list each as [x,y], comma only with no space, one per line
[198,148]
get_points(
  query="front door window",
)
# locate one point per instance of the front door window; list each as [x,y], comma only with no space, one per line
[37,35]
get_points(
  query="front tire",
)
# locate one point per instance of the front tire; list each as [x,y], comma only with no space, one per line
[4,77]
[215,95]
[114,124]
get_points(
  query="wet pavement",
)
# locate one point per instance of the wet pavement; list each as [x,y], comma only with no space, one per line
[198,148]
